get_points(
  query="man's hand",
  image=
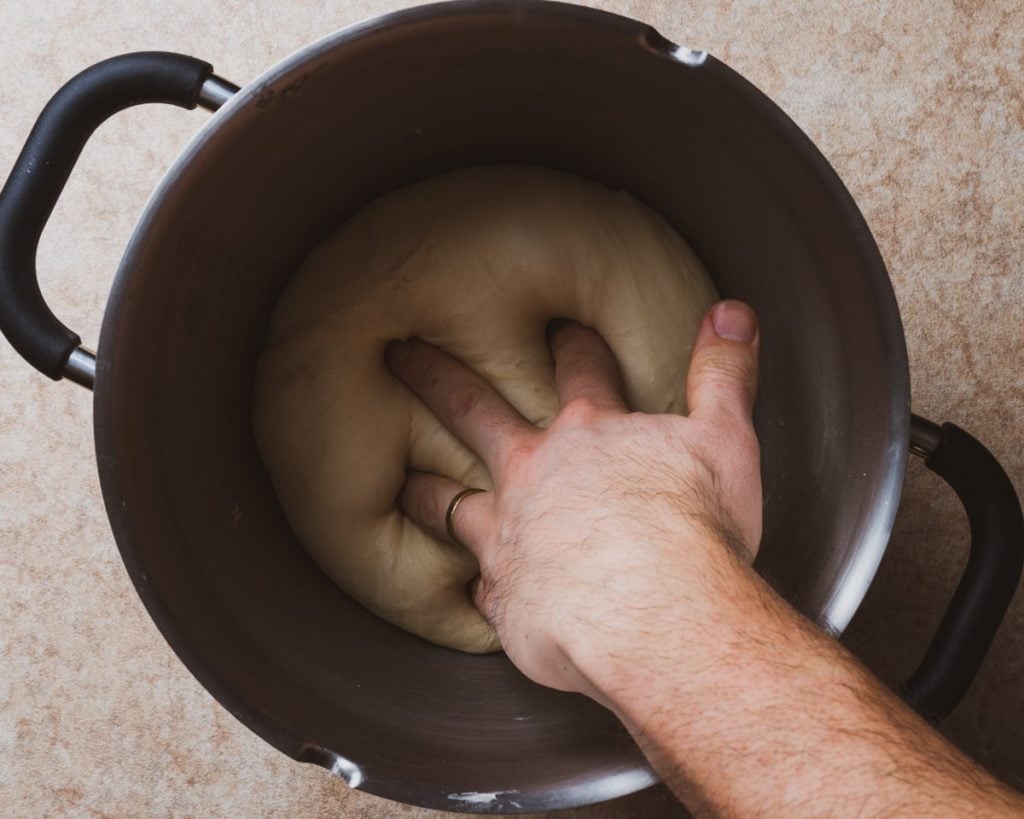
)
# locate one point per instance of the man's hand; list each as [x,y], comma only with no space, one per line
[615,561]
[605,511]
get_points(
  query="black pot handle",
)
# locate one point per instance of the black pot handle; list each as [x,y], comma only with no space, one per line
[42,169]
[993,568]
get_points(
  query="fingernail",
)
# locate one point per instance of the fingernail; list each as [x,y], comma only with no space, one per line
[396,351]
[735,321]
[554,326]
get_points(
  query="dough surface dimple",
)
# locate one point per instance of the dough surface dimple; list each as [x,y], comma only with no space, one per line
[475,261]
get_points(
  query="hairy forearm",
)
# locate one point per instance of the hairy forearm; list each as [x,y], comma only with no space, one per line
[768,715]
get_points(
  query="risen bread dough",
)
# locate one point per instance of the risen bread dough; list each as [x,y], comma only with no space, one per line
[476,262]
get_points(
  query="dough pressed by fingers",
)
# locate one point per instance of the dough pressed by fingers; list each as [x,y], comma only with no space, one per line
[475,261]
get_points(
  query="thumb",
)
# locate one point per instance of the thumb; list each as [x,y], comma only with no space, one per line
[723,369]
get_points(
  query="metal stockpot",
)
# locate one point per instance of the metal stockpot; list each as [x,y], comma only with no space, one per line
[288,158]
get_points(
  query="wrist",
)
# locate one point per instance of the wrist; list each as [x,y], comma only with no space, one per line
[688,618]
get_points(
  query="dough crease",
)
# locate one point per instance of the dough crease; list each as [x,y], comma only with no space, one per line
[475,261]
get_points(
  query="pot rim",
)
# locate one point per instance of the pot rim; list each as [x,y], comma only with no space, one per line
[848,590]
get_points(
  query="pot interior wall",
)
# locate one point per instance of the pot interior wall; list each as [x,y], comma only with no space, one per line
[195,515]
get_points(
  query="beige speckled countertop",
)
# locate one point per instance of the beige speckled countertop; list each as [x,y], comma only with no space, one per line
[918,106]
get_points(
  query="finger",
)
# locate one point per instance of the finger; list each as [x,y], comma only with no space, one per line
[461,399]
[425,499]
[722,381]
[586,372]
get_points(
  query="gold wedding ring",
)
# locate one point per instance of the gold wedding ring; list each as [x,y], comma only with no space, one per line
[449,515]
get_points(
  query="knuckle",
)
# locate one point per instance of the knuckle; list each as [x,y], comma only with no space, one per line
[518,455]
[430,375]
[578,411]
[725,366]
[463,399]
[421,367]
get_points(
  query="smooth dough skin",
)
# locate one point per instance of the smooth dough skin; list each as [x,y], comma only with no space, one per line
[475,261]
